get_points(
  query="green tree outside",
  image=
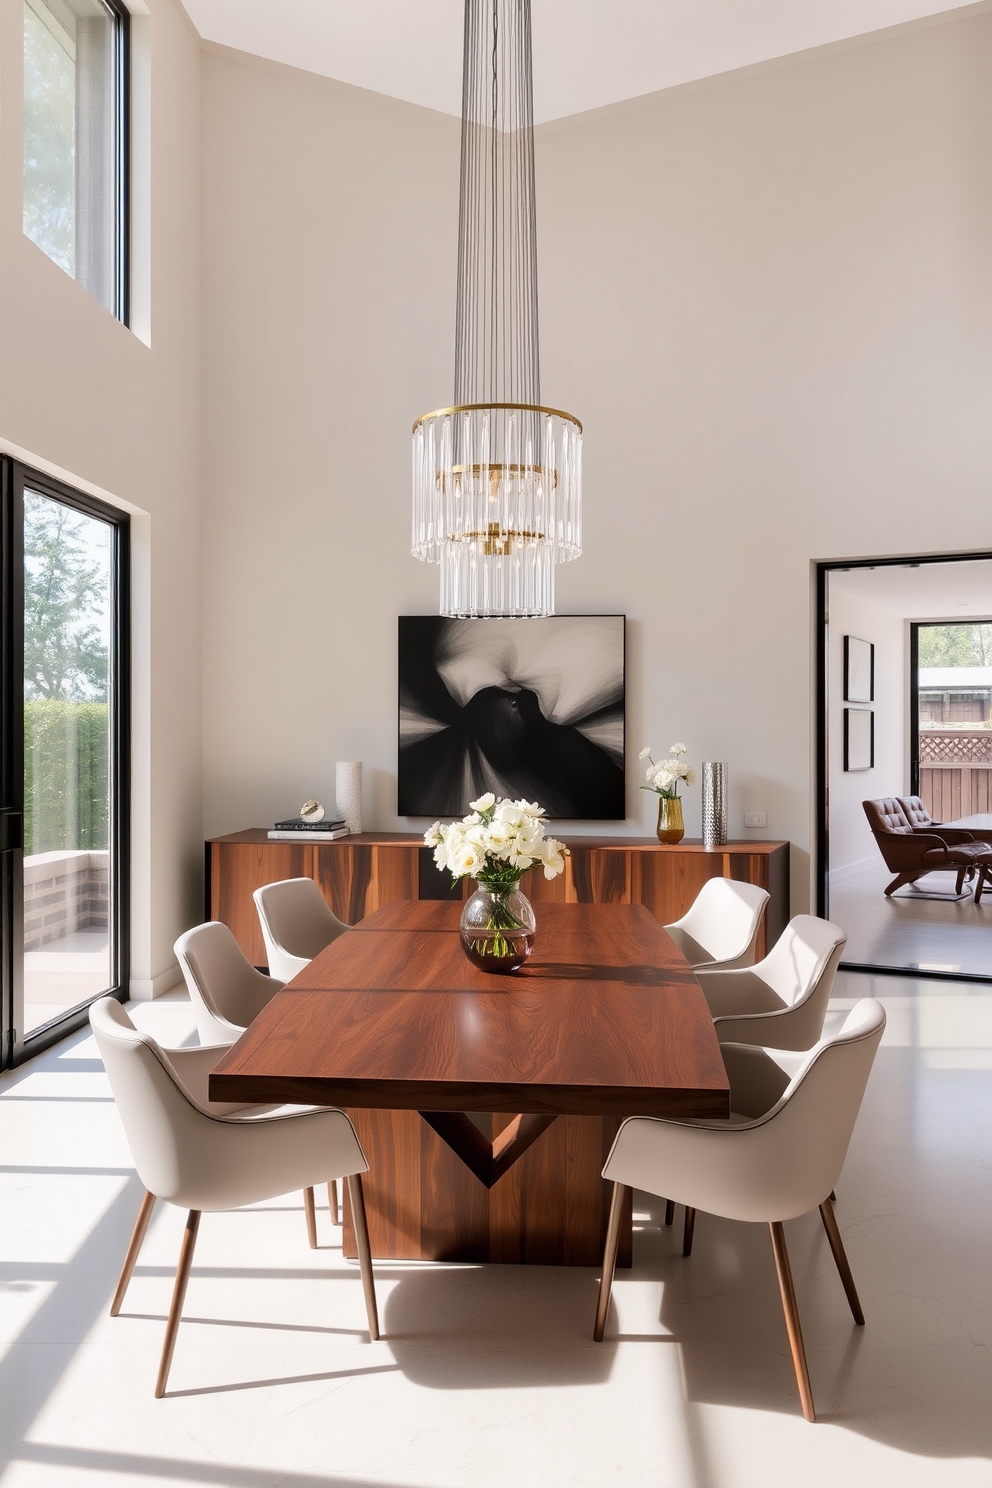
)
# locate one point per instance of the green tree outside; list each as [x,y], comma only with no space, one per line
[961,645]
[66,650]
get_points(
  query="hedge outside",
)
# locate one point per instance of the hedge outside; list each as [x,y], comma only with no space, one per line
[65,775]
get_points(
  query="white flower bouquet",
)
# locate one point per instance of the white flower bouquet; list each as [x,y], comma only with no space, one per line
[664,779]
[496,843]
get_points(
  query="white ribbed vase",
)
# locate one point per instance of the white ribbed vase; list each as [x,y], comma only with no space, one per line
[348,793]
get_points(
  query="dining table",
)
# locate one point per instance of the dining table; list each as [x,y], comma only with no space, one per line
[486,1104]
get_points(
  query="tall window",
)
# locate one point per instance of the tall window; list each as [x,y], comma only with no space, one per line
[63,757]
[75,141]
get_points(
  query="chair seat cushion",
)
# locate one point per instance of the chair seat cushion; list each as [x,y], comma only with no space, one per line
[961,852]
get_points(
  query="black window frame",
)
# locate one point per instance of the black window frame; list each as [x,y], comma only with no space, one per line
[15,477]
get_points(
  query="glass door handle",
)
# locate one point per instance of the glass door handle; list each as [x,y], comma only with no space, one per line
[11,835]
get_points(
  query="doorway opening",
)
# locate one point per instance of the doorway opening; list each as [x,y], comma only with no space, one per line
[905,716]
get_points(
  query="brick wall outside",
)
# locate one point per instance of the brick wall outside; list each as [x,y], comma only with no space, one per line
[64,892]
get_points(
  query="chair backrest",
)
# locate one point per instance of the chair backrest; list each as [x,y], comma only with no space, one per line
[800,959]
[227,992]
[915,812]
[887,815]
[777,1166]
[166,1130]
[724,919]
[800,969]
[296,921]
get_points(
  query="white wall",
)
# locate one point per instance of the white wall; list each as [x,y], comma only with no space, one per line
[852,847]
[768,300]
[118,415]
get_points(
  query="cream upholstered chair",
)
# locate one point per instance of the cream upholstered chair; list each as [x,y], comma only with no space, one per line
[201,1154]
[297,923]
[780,1156]
[722,926]
[779,1002]
[227,993]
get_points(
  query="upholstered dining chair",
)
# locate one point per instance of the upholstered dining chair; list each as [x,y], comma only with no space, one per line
[721,927]
[779,1002]
[780,1156]
[208,1155]
[297,922]
[227,993]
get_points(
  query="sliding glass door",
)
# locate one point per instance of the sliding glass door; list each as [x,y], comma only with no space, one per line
[65,734]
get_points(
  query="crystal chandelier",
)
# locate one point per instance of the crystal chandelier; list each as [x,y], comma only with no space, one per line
[497,478]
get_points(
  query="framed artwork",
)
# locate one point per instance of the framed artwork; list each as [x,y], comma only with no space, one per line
[859,670]
[529,709]
[859,739]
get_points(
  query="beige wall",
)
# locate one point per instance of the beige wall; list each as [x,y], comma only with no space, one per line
[119,415]
[768,300]
[852,847]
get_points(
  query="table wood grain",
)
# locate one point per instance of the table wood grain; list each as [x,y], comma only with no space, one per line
[606,1020]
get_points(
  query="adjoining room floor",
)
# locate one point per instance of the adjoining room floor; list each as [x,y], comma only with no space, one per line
[487,1375]
[908,930]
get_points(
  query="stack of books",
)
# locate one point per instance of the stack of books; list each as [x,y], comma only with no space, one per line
[298,830]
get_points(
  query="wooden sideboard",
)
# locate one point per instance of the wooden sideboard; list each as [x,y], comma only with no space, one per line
[361,873]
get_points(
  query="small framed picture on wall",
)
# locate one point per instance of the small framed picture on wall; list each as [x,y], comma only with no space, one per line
[859,739]
[859,670]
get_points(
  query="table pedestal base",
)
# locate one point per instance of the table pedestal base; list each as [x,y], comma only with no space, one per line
[550,1208]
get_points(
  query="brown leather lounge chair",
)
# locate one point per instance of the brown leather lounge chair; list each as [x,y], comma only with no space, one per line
[912,845]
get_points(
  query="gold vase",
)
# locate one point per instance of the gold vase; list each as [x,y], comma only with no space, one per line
[671,827]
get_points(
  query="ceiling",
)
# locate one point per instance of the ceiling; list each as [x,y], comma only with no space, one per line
[587,53]
[931,591]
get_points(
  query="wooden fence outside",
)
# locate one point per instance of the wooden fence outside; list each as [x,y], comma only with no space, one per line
[956,772]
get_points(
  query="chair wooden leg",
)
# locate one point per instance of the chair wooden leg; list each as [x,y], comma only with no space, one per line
[358,1219]
[687,1229]
[959,881]
[669,1211]
[137,1238]
[791,1310]
[900,881]
[841,1261]
[332,1202]
[310,1210]
[609,1258]
[178,1298]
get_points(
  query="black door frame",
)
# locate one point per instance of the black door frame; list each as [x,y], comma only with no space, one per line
[822,838]
[14,477]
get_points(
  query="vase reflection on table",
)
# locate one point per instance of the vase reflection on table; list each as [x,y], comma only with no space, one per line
[496,844]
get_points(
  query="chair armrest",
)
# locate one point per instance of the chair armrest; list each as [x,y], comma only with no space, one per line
[737,992]
[947,835]
[192,1069]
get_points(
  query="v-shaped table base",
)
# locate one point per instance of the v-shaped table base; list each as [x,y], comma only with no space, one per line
[487,1160]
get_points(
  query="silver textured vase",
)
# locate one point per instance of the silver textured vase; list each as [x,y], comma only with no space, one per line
[714,803]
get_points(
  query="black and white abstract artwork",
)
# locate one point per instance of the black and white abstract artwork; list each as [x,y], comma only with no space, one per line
[522,708]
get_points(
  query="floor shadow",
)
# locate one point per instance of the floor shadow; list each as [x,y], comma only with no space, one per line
[488,1327]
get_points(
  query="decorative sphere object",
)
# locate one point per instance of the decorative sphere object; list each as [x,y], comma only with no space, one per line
[312,811]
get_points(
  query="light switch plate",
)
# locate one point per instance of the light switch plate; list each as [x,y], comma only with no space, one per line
[755,819]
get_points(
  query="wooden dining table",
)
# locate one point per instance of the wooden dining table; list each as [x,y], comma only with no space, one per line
[487,1104]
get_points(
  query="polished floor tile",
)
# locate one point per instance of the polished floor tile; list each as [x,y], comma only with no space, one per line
[487,1375]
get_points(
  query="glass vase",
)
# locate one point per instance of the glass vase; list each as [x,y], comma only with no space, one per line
[497,928]
[671,827]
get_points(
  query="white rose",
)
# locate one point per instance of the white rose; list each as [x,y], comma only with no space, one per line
[650,772]
[664,779]
[645,753]
[690,777]
[433,836]
[483,803]
[678,749]
[552,857]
